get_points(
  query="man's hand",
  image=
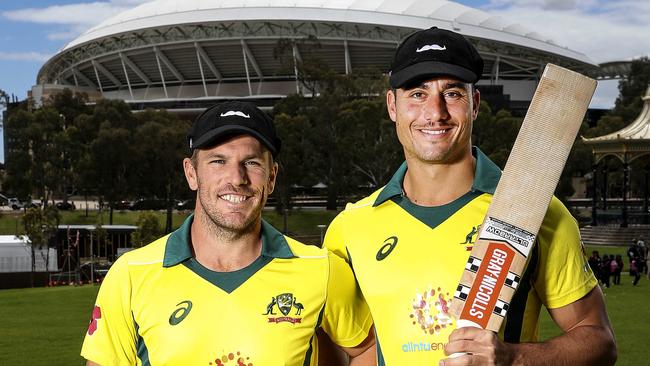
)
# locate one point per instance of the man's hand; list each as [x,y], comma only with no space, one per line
[480,347]
[588,339]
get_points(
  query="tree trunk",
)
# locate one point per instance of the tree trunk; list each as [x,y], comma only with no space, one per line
[332,196]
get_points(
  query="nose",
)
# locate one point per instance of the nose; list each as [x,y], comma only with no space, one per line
[435,108]
[236,174]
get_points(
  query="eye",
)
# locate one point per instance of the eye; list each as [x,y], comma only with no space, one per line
[417,95]
[217,161]
[252,163]
[453,95]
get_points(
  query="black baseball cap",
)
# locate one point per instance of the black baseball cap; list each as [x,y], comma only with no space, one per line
[230,119]
[435,52]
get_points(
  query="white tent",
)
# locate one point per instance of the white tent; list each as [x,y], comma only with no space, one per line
[16,255]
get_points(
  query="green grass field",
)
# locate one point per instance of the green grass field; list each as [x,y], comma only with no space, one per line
[46,326]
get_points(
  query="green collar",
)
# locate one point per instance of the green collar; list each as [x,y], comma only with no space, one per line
[486,177]
[178,248]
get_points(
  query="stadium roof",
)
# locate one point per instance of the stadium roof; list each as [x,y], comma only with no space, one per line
[168,49]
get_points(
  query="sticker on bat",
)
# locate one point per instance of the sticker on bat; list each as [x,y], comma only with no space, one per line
[521,240]
[490,279]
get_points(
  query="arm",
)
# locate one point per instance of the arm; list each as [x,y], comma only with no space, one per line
[588,339]
[330,354]
[110,339]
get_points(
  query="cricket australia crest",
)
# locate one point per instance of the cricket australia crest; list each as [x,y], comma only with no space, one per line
[284,302]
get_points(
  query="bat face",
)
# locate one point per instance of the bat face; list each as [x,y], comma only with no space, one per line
[521,199]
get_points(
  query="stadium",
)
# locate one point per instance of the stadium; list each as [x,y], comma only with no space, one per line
[183,56]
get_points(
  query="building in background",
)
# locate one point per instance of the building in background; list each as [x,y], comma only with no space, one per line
[186,55]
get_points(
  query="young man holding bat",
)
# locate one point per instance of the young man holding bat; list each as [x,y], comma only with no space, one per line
[409,242]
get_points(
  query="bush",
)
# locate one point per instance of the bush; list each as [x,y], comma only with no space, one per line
[148,230]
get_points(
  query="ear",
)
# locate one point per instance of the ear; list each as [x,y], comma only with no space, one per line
[476,98]
[273,174]
[190,174]
[390,105]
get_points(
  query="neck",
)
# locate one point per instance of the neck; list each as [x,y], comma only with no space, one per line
[430,184]
[223,250]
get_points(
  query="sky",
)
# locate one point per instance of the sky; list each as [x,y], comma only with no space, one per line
[31,31]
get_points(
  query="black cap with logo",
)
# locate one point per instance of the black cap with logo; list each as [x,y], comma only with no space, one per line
[230,119]
[435,52]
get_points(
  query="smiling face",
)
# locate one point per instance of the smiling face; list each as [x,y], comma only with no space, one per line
[434,119]
[233,180]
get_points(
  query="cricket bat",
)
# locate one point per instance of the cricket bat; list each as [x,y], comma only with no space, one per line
[498,258]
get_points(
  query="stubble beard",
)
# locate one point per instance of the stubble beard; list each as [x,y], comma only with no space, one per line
[223,227]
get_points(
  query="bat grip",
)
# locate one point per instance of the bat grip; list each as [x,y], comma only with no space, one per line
[462,323]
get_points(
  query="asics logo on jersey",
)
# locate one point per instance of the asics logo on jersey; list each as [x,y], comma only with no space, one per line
[389,244]
[181,313]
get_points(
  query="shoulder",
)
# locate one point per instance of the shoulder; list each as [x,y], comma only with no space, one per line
[557,215]
[148,254]
[305,251]
[358,209]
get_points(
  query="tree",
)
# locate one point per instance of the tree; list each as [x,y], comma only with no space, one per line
[633,86]
[109,155]
[326,129]
[40,225]
[148,229]
[370,141]
[495,134]
[160,145]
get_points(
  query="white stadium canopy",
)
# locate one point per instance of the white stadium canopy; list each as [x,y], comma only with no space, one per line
[169,51]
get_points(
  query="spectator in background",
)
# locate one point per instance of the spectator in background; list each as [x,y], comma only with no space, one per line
[605,271]
[594,263]
[643,252]
[616,267]
[634,270]
[632,252]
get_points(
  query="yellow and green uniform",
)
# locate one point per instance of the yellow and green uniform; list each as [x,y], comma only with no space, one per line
[408,260]
[159,306]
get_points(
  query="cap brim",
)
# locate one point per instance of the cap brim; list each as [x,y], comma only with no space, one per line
[214,136]
[429,69]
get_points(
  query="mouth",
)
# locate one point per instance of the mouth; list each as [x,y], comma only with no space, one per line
[233,198]
[437,132]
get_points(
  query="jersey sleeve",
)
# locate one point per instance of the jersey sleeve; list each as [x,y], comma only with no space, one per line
[333,240]
[564,275]
[346,317]
[111,335]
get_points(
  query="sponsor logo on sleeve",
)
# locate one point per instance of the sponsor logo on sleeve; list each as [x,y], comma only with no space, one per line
[97,314]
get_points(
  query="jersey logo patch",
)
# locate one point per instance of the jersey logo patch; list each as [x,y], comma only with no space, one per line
[284,302]
[181,313]
[389,244]
[97,314]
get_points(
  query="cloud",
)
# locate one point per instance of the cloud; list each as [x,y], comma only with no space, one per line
[24,56]
[602,30]
[76,18]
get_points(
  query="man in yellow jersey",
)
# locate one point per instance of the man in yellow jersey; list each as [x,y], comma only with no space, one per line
[227,288]
[408,242]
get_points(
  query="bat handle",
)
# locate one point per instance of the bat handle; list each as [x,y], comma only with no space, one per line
[462,323]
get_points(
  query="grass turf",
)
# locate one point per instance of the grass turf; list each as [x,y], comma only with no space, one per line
[46,326]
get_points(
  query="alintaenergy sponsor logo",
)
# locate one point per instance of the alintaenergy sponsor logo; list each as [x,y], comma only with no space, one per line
[423,346]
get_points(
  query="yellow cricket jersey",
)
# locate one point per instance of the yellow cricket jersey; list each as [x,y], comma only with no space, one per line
[159,306]
[408,260]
